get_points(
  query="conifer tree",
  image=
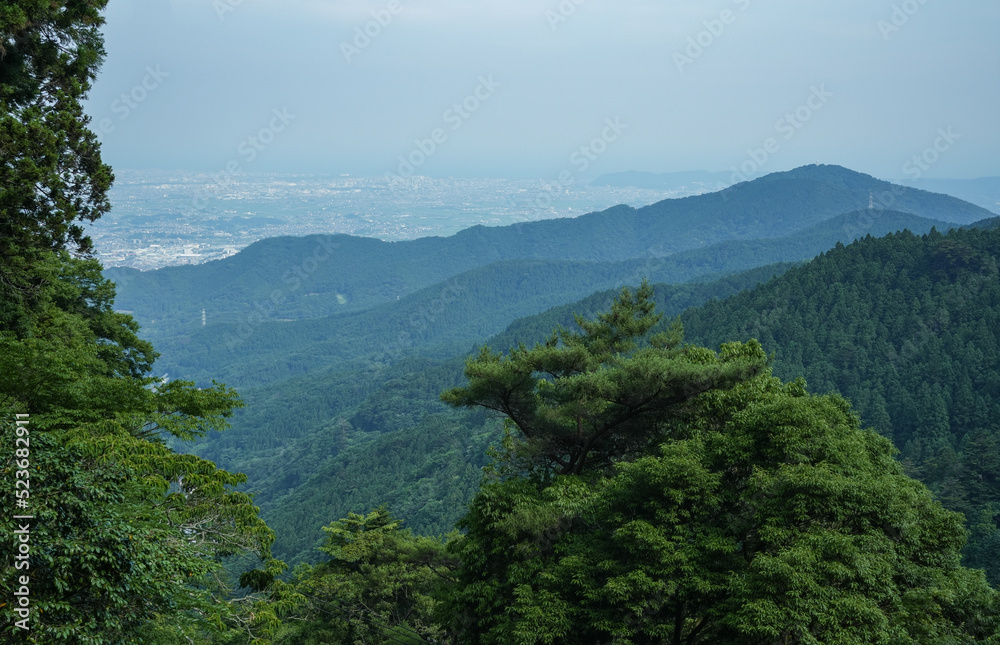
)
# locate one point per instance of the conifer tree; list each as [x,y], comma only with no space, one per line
[750,512]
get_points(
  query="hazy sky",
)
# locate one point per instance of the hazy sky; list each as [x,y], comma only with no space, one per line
[535,88]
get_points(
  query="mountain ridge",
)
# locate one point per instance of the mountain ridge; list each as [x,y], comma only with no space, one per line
[319,275]
[478,303]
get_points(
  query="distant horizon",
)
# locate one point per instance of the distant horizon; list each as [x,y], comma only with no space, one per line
[522,89]
[583,179]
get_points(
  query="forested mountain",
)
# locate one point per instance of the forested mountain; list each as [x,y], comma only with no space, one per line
[901,325]
[647,491]
[908,328]
[446,317]
[379,434]
[611,483]
[294,278]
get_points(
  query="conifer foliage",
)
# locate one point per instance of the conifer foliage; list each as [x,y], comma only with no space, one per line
[52,179]
[753,512]
[583,400]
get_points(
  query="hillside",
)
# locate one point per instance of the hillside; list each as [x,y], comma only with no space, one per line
[298,278]
[447,317]
[907,327]
[320,462]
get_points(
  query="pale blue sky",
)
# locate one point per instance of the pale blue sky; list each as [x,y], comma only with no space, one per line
[875,80]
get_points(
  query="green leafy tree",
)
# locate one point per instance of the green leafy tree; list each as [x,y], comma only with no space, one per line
[126,532]
[51,175]
[128,537]
[919,318]
[762,514]
[380,585]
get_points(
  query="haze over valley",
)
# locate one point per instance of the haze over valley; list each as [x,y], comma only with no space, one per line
[499,323]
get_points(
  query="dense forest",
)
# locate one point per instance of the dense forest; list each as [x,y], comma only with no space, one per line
[758,448]
[652,491]
[447,317]
[109,536]
[294,278]
[906,328]
[402,399]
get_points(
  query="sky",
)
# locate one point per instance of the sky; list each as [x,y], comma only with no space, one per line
[543,88]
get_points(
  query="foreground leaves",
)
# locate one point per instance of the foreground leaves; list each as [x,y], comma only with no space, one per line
[764,515]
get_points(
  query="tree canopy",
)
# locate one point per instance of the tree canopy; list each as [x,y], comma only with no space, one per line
[126,539]
[125,531]
[381,584]
[52,178]
[583,400]
[760,514]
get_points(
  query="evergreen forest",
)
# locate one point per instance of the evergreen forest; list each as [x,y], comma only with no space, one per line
[764,415]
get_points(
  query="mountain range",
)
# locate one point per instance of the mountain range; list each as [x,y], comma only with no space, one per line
[340,345]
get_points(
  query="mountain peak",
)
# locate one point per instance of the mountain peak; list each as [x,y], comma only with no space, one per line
[827,173]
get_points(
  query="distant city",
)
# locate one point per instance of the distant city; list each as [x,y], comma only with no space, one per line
[161,218]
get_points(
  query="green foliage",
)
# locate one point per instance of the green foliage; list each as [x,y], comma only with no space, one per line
[380,585]
[427,474]
[765,515]
[51,174]
[127,537]
[127,533]
[580,402]
[905,327]
[379,434]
